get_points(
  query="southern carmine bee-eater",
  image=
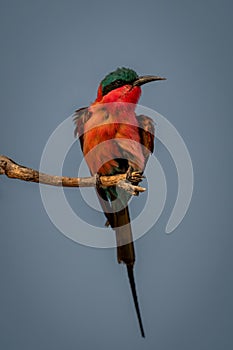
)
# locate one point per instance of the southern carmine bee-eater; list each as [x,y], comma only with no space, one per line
[114,141]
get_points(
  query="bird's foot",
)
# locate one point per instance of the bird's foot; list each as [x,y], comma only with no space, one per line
[134,176]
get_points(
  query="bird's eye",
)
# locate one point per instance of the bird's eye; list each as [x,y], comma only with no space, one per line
[112,86]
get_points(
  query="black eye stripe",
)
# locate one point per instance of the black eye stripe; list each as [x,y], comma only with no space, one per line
[114,85]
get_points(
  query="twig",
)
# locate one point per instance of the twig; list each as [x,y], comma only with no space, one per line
[16,171]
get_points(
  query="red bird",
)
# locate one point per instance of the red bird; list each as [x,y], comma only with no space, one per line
[114,140]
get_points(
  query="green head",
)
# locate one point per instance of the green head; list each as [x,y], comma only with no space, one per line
[121,76]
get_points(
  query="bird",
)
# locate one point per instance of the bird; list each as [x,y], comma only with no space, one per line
[114,140]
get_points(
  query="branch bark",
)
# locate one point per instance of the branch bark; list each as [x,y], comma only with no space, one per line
[16,171]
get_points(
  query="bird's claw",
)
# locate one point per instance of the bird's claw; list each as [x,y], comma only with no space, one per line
[134,176]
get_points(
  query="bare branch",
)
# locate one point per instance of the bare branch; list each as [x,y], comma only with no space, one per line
[15,171]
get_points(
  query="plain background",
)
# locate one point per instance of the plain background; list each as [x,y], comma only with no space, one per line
[56,294]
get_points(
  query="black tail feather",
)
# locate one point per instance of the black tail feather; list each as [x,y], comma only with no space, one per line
[135,298]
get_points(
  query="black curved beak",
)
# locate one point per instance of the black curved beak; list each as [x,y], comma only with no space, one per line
[146,79]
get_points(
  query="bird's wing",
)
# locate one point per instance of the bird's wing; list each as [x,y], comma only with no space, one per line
[147,133]
[80,117]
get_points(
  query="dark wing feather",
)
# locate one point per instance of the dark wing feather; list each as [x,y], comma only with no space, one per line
[147,133]
[80,117]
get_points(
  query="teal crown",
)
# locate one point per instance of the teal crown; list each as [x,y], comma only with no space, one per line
[118,78]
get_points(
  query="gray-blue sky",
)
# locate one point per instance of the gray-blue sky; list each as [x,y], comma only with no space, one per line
[58,294]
